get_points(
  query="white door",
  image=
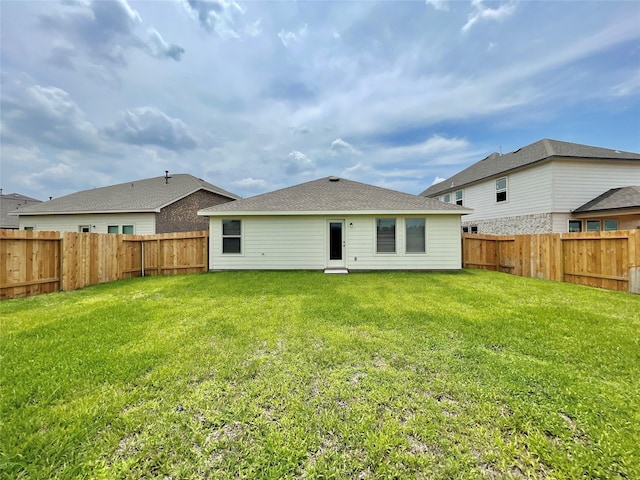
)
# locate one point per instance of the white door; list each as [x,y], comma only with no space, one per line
[336,247]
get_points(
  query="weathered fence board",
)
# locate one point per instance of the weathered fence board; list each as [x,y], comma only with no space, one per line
[29,263]
[608,260]
[33,262]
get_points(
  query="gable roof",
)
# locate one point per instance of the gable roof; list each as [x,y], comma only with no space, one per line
[496,164]
[332,195]
[10,203]
[148,195]
[614,199]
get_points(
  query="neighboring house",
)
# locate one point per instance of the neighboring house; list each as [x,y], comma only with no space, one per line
[336,225]
[10,203]
[149,206]
[616,209]
[536,188]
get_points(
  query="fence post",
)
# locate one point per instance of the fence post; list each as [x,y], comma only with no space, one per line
[634,261]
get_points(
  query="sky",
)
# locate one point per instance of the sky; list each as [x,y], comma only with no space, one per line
[256,96]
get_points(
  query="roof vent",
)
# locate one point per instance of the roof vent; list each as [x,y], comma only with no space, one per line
[334,179]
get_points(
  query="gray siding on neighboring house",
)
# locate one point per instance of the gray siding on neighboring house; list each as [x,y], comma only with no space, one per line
[182,216]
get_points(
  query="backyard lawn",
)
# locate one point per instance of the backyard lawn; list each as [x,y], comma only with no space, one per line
[303,375]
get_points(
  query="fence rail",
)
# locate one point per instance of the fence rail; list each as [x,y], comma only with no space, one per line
[33,262]
[609,260]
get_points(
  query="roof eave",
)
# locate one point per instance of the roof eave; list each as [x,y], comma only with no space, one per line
[263,213]
[86,212]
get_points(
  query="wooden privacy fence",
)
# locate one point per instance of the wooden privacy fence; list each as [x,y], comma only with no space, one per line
[608,260]
[33,262]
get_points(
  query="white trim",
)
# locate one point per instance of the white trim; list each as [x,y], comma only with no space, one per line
[342,263]
[336,213]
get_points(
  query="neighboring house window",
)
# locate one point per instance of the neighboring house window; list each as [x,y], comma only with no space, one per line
[575,225]
[385,235]
[127,229]
[610,224]
[458,197]
[415,235]
[501,190]
[474,229]
[447,198]
[593,225]
[465,229]
[28,228]
[84,228]
[112,229]
[231,236]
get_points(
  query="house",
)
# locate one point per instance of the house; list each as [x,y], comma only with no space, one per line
[153,205]
[537,188]
[335,224]
[10,203]
[615,209]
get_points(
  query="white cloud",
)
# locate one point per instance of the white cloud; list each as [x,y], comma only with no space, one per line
[252,183]
[340,147]
[442,5]
[289,38]
[298,163]
[630,86]
[483,13]
[102,33]
[150,126]
[220,16]
[45,114]
[438,180]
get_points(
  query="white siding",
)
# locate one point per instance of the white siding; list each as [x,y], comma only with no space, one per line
[300,242]
[143,223]
[577,182]
[528,192]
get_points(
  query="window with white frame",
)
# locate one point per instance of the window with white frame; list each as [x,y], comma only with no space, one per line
[415,235]
[610,224]
[446,198]
[458,197]
[84,228]
[231,236]
[385,235]
[112,229]
[501,190]
[593,225]
[127,229]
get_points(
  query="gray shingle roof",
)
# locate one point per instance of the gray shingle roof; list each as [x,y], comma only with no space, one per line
[614,199]
[331,194]
[148,195]
[496,164]
[10,203]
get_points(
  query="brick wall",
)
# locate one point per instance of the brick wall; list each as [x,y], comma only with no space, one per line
[182,216]
[519,225]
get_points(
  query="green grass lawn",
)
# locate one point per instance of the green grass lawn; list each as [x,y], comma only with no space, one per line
[303,375]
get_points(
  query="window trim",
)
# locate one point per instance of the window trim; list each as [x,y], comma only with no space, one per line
[117,227]
[238,236]
[446,198]
[574,220]
[593,220]
[133,229]
[406,236]
[82,227]
[459,201]
[395,236]
[504,190]
[604,224]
